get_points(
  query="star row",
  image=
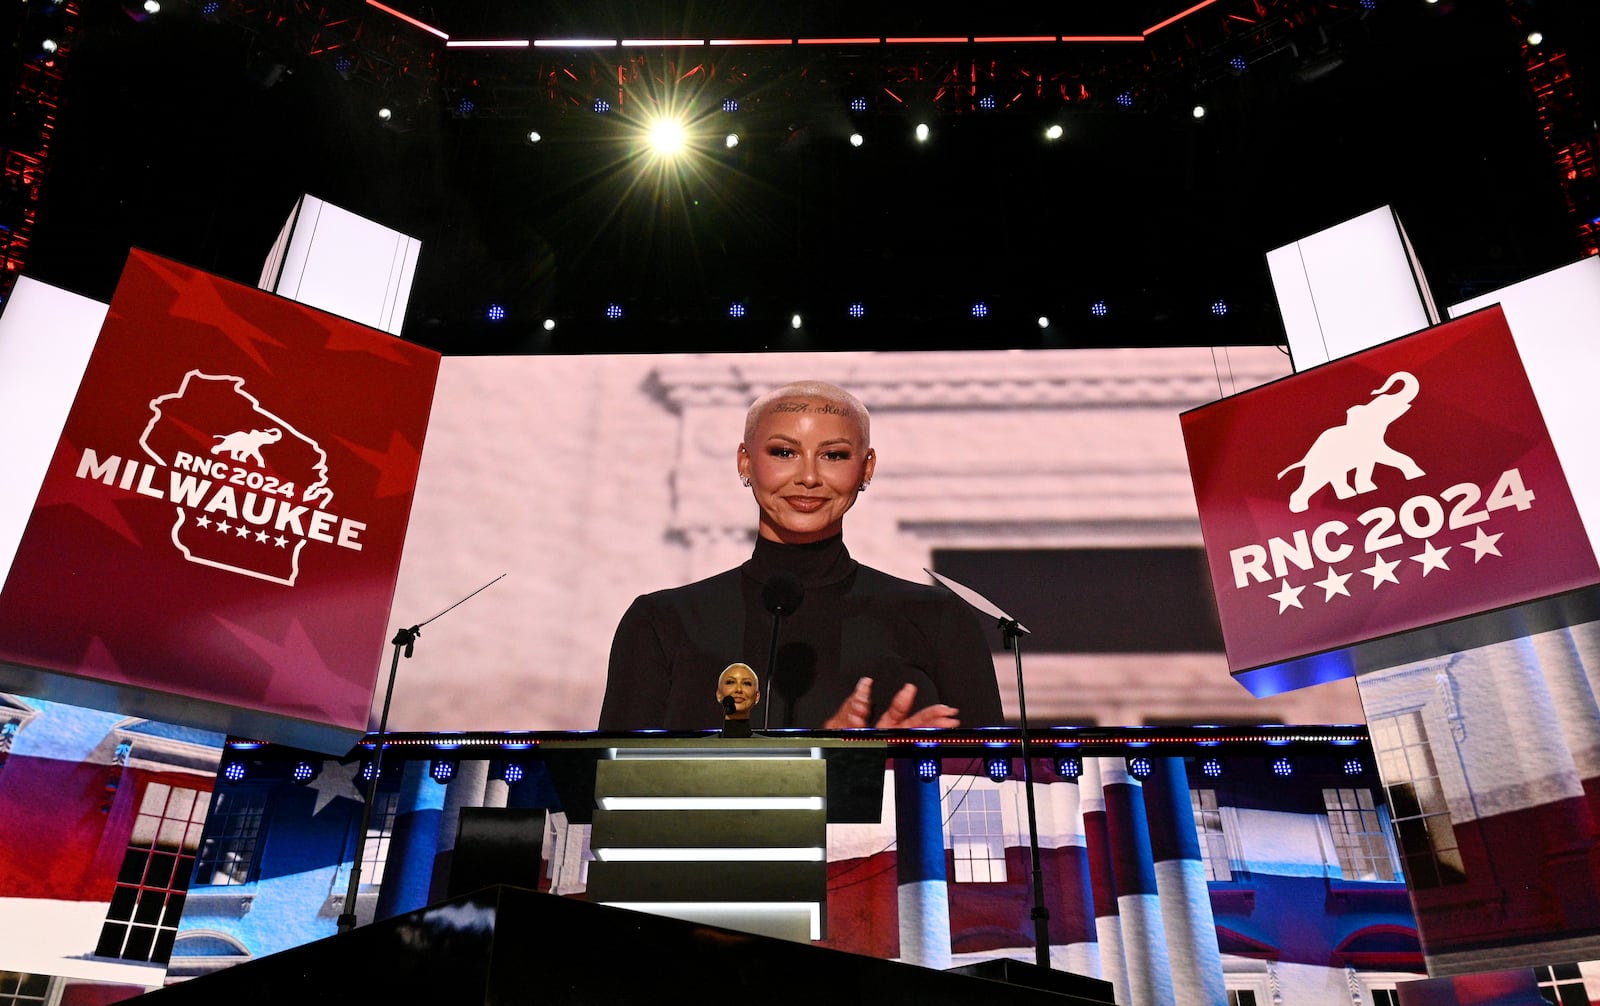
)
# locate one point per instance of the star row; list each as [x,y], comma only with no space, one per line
[240,531]
[1383,570]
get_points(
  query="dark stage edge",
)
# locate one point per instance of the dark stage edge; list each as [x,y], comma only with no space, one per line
[509,945]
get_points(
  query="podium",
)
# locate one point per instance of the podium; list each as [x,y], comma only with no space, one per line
[719,831]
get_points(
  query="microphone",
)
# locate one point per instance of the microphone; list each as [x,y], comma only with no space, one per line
[780,595]
[729,707]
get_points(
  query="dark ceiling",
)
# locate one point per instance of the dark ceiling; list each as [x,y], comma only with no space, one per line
[192,137]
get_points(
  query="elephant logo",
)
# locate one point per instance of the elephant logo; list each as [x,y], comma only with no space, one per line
[245,445]
[1357,446]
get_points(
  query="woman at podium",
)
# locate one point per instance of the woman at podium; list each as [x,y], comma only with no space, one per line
[856,646]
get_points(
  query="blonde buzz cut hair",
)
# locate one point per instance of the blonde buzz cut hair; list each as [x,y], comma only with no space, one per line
[830,393]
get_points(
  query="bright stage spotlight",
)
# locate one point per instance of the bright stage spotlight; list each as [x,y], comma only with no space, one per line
[856,139]
[731,140]
[922,132]
[796,322]
[534,136]
[1054,131]
[667,137]
[1535,38]
[1199,112]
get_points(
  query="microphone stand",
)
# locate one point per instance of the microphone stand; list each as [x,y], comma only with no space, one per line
[404,641]
[1011,632]
[772,666]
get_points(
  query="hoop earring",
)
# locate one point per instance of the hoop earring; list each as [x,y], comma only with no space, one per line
[744,480]
[863,487]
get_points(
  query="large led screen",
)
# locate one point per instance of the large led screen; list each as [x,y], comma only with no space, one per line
[1053,482]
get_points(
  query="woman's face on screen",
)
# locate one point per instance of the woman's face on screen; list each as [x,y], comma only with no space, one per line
[806,463]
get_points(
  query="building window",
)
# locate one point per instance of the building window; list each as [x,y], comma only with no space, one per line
[1388,997]
[1208,828]
[375,851]
[229,851]
[1360,838]
[150,890]
[977,835]
[18,988]
[1417,805]
[1562,984]
[1241,997]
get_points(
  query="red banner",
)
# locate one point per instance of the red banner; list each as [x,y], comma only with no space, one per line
[224,514]
[1401,487]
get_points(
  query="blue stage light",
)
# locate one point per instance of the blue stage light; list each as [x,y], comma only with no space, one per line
[1069,768]
[1125,99]
[1238,65]
[613,311]
[928,769]
[1283,767]
[442,771]
[1212,768]
[465,107]
[999,769]
[513,773]
[1139,768]
[303,771]
[1219,308]
[344,64]
[602,106]
[858,104]
[730,104]
[496,313]
[234,771]
[980,310]
[211,9]
[736,310]
[858,310]
[1098,309]
[1353,767]
[986,102]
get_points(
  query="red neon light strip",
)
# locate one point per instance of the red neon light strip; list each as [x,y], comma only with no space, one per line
[487,43]
[927,40]
[838,41]
[1014,38]
[680,43]
[1102,38]
[753,41]
[1178,17]
[408,19]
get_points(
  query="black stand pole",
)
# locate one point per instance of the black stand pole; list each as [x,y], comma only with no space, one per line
[772,670]
[405,640]
[1012,632]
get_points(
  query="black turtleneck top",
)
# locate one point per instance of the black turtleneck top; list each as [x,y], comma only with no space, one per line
[672,646]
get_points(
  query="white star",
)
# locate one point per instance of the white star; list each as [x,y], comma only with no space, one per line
[1382,569]
[1431,558]
[1483,544]
[224,526]
[282,541]
[262,536]
[202,521]
[332,783]
[1287,597]
[1333,584]
[242,531]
